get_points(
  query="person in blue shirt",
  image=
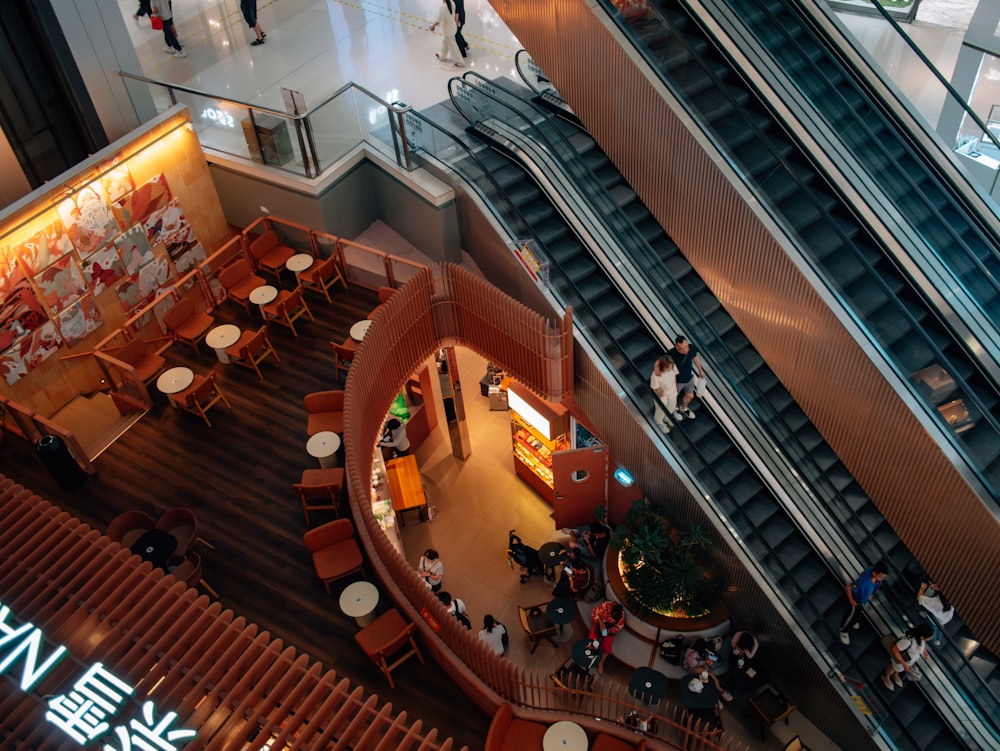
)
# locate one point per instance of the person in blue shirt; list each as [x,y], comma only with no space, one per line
[858,593]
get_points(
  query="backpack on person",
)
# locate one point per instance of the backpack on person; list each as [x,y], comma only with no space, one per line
[463,619]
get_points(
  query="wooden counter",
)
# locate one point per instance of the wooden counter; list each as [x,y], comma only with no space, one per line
[405,487]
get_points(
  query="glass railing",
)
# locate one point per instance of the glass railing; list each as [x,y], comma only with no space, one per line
[305,143]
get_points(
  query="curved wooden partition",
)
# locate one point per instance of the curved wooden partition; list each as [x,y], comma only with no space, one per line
[63,583]
[442,306]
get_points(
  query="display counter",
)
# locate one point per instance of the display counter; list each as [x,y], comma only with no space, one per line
[382,508]
[538,429]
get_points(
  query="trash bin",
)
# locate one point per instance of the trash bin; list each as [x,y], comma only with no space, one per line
[55,455]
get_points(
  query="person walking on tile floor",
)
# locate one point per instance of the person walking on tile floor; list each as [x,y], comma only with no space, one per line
[172,45]
[448,21]
[858,593]
[249,10]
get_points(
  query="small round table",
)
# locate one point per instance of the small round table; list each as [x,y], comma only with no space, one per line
[155,546]
[585,654]
[221,337]
[565,736]
[647,685]
[358,600]
[299,263]
[174,381]
[551,554]
[324,446]
[359,330]
[263,295]
[561,611]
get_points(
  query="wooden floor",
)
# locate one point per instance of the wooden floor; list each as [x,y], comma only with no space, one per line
[236,477]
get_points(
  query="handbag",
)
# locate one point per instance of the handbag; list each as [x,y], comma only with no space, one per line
[156,21]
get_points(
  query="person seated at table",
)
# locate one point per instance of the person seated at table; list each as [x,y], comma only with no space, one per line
[592,542]
[607,619]
[576,577]
[494,634]
[698,660]
[455,607]
[394,439]
[638,723]
[744,645]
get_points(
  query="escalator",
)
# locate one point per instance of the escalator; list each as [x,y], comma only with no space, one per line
[605,308]
[848,252]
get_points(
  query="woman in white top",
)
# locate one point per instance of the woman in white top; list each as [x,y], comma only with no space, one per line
[493,634]
[448,21]
[431,568]
[664,385]
[906,652]
[934,602]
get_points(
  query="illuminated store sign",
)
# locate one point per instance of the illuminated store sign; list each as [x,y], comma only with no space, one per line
[219,117]
[85,712]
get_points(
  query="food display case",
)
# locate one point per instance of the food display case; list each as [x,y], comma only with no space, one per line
[382,502]
[538,430]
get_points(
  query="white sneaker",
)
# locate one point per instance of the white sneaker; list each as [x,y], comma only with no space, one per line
[180,53]
[169,50]
[664,427]
[678,415]
[845,638]
[689,413]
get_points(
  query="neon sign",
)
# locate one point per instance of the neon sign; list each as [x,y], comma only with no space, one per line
[86,711]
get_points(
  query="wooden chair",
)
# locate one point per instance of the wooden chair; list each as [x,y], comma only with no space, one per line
[385,637]
[201,396]
[251,349]
[270,254]
[508,733]
[326,411]
[186,323]
[343,356]
[239,281]
[334,551]
[795,745]
[771,707]
[147,366]
[189,572]
[320,485]
[182,524]
[128,527]
[537,625]
[320,277]
[286,308]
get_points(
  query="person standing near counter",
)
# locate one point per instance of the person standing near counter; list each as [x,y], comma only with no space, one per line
[431,568]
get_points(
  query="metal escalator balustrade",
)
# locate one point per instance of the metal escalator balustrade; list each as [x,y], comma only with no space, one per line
[490,90]
[832,237]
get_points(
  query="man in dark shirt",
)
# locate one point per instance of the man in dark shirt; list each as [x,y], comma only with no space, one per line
[685,357]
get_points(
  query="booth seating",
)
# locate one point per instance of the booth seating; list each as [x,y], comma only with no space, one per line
[320,489]
[270,254]
[239,281]
[251,349]
[508,733]
[201,396]
[147,366]
[335,553]
[186,323]
[384,638]
[326,411]
[321,277]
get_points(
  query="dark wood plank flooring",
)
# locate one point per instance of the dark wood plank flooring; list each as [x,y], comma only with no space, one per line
[236,477]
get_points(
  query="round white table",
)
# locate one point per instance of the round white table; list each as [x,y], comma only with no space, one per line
[174,380]
[359,330]
[324,446]
[299,262]
[358,600]
[565,736]
[221,337]
[263,295]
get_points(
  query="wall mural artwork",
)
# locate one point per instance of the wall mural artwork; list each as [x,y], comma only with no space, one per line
[45,246]
[40,345]
[130,293]
[117,182]
[134,250]
[88,219]
[103,269]
[153,276]
[20,313]
[139,205]
[166,222]
[79,320]
[12,366]
[61,284]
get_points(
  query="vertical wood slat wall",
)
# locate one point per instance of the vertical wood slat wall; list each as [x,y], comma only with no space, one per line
[225,679]
[898,463]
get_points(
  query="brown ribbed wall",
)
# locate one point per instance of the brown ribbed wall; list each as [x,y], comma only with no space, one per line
[906,473]
[222,678]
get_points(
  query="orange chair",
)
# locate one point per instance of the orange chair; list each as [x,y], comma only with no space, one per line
[384,293]
[343,356]
[189,572]
[251,349]
[146,365]
[239,281]
[385,637]
[286,308]
[334,551]
[320,484]
[508,733]
[182,524]
[128,527]
[186,323]
[326,411]
[270,254]
[321,277]
[200,396]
